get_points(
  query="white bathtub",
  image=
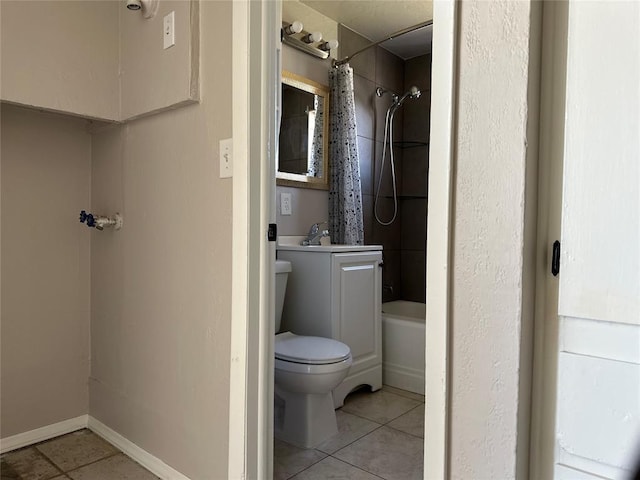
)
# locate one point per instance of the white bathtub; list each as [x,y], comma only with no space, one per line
[403,339]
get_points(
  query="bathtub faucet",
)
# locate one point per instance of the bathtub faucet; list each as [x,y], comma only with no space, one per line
[315,234]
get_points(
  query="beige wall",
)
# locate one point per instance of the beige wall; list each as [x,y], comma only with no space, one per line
[46,176]
[161,287]
[97,59]
[309,206]
[62,56]
[153,78]
[493,238]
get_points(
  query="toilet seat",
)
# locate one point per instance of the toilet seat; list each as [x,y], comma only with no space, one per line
[310,351]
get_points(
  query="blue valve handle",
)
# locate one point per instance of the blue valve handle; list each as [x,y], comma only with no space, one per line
[87,217]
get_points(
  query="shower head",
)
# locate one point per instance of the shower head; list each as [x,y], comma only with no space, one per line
[413,92]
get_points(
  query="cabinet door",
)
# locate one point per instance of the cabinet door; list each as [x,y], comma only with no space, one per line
[356,305]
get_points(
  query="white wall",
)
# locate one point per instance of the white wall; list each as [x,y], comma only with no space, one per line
[492,240]
[46,181]
[161,287]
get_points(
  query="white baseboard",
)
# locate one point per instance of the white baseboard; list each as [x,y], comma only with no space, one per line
[43,433]
[144,458]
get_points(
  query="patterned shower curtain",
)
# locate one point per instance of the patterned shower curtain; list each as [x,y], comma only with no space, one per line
[346,225]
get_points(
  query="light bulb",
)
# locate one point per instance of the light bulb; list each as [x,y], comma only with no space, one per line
[295,27]
[330,45]
[313,37]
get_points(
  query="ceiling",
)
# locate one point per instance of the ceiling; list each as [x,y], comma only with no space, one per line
[378,19]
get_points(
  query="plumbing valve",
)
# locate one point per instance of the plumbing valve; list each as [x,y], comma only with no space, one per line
[100,221]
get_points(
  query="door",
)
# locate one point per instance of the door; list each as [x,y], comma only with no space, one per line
[596,338]
[356,306]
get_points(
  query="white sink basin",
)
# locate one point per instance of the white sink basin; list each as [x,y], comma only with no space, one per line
[292,243]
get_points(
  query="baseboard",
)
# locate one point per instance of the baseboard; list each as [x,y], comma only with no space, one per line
[43,433]
[144,458]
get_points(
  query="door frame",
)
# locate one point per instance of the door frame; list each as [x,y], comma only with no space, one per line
[550,177]
[255,65]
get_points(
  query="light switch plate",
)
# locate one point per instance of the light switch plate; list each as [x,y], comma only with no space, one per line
[226,158]
[169,30]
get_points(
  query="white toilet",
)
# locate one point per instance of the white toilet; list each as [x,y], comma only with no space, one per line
[306,370]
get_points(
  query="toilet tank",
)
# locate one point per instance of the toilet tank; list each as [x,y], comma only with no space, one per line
[283,268]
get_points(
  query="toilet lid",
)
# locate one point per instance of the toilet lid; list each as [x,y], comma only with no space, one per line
[309,350]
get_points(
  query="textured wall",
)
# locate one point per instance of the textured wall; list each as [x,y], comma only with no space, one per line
[490,250]
[161,287]
[46,173]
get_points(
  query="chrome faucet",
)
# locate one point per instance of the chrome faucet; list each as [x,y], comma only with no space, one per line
[315,234]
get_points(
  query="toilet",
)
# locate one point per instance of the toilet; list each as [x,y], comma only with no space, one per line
[306,370]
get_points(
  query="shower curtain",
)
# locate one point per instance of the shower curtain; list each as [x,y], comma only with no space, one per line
[346,225]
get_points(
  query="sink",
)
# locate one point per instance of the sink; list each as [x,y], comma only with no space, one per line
[292,243]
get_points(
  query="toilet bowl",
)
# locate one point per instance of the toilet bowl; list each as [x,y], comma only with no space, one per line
[306,370]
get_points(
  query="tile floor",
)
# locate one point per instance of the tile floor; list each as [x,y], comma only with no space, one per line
[380,435]
[80,455]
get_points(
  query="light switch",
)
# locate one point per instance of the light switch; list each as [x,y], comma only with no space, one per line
[226,158]
[169,30]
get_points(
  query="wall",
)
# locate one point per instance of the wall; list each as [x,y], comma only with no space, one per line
[415,176]
[308,206]
[97,59]
[492,240]
[161,287]
[46,181]
[62,56]
[153,78]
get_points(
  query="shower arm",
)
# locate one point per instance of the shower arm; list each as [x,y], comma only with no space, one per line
[337,63]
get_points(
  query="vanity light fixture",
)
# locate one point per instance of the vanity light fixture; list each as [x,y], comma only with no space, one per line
[293,28]
[149,7]
[309,42]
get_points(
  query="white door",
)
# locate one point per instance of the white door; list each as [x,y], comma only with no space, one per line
[597,411]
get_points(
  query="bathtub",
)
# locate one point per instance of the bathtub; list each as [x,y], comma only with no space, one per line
[403,339]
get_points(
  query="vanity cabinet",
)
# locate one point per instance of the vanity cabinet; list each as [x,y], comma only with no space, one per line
[337,294]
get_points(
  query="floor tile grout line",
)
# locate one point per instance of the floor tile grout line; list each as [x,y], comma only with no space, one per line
[48,460]
[358,467]
[115,454]
[357,439]
[387,422]
[326,455]
[406,433]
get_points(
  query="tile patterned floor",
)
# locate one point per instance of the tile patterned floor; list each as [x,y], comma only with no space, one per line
[80,455]
[380,435]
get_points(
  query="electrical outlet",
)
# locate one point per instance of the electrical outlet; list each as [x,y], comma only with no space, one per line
[226,158]
[285,204]
[169,30]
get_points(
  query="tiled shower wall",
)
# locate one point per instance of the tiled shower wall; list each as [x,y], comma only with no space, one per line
[404,241]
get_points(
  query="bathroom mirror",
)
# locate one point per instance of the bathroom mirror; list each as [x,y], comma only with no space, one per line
[304,133]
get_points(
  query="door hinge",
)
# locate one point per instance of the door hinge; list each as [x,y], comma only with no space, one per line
[555,259]
[272,233]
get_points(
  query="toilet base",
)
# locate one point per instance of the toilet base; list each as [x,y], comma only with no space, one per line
[304,420]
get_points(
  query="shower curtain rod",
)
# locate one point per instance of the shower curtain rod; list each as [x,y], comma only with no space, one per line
[337,63]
